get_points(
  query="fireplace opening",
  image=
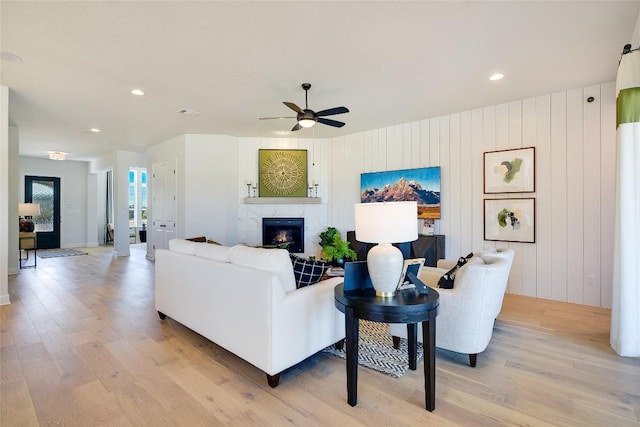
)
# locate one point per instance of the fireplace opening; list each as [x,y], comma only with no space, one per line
[285,233]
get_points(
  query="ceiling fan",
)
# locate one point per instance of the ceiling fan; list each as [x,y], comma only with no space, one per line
[307,118]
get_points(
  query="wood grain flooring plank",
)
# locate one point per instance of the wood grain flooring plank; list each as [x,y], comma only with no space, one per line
[81,344]
[16,406]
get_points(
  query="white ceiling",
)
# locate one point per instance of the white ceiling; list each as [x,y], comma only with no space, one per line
[389,62]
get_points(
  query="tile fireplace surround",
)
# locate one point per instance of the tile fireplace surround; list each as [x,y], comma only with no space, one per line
[250,222]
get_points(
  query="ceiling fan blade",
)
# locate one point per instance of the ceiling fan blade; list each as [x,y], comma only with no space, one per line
[332,111]
[293,106]
[296,127]
[276,118]
[330,122]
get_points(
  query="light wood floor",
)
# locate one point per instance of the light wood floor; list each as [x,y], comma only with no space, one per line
[81,345]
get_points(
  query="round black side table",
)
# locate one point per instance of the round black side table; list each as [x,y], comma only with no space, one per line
[407,306]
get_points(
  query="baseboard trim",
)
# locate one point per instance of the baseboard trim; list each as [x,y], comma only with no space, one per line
[5,300]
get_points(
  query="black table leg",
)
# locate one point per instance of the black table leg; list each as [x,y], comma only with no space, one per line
[429,345]
[351,332]
[412,345]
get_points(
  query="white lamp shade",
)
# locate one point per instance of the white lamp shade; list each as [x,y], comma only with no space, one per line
[28,209]
[386,222]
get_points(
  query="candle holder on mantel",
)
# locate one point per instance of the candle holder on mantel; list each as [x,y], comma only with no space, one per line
[248,189]
[315,184]
[254,187]
[310,192]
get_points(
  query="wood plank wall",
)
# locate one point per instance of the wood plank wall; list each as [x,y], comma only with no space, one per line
[575,183]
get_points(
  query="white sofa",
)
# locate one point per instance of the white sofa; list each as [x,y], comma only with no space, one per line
[468,311]
[245,300]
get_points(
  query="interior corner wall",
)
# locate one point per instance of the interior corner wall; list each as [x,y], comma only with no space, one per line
[575,142]
[4,196]
[211,199]
[73,195]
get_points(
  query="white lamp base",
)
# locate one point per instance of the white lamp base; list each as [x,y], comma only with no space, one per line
[384,262]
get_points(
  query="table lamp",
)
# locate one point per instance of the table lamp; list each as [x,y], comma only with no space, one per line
[28,211]
[386,223]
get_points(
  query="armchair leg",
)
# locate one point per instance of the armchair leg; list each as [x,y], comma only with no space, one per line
[273,380]
[396,342]
[472,359]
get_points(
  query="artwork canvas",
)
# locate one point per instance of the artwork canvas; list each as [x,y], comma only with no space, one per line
[509,171]
[510,220]
[421,185]
[283,173]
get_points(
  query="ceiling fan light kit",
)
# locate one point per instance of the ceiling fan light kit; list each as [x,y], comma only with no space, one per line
[307,118]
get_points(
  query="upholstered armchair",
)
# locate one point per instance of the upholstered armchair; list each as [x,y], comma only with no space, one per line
[467,312]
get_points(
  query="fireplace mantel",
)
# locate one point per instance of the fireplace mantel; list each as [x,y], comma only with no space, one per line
[282,200]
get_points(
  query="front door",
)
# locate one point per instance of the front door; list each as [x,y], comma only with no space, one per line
[46,192]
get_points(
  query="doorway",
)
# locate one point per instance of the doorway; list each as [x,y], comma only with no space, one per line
[46,192]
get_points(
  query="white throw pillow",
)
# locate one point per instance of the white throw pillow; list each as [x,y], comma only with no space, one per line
[273,260]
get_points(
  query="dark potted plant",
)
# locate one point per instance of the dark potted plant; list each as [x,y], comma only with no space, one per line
[334,248]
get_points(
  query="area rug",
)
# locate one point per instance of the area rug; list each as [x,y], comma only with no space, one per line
[54,253]
[375,350]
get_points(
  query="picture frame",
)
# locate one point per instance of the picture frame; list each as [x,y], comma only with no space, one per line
[510,171]
[510,220]
[413,265]
[282,173]
[419,184]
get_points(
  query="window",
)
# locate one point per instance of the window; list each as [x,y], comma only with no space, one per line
[137,197]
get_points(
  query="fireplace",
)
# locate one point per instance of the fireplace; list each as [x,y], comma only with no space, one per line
[287,233]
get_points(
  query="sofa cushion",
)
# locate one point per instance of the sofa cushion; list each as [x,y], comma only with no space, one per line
[215,252]
[308,272]
[183,246]
[273,260]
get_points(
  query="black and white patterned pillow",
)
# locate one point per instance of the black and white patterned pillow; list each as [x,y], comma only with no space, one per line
[447,279]
[307,272]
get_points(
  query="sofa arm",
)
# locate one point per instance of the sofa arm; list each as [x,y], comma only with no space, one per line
[447,264]
[431,275]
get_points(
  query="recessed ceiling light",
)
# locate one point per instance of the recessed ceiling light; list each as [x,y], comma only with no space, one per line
[10,57]
[282,132]
[57,155]
[95,130]
[188,112]
[496,76]
[137,92]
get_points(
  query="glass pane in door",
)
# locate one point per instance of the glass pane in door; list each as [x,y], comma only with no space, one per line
[42,193]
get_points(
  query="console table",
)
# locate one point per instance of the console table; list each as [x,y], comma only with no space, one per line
[407,306]
[28,242]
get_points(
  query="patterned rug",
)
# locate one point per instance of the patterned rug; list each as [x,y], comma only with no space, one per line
[375,350]
[54,253]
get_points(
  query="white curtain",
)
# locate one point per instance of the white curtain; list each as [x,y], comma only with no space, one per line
[625,306]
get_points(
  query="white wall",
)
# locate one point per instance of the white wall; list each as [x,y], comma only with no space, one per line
[73,195]
[14,251]
[575,165]
[210,197]
[4,196]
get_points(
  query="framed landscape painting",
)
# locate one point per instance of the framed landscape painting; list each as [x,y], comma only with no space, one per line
[510,171]
[510,220]
[421,185]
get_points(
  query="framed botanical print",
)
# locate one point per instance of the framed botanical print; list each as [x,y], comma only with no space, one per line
[510,171]
[282,173]
[510,220]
